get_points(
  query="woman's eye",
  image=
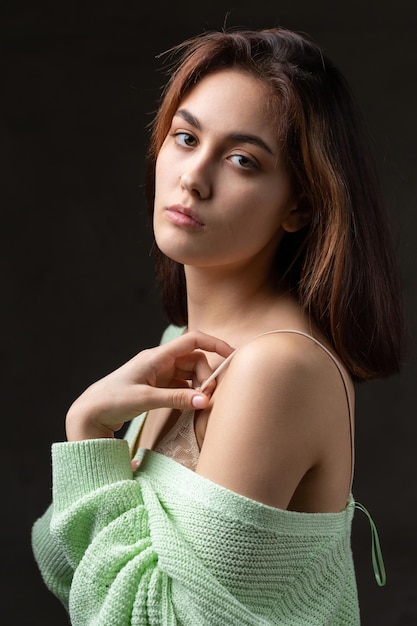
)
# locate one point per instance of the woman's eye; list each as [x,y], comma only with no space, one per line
[185,139]
[243,161]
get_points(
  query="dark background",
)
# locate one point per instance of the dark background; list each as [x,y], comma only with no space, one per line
[79,85]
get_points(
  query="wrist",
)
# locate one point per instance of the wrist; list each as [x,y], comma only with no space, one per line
[79,425]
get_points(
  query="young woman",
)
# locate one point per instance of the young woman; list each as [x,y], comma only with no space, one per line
[229,500]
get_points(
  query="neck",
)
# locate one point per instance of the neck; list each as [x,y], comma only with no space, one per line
[231,305]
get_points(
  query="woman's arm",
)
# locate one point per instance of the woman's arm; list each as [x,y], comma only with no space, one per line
[279,417]
[157,377]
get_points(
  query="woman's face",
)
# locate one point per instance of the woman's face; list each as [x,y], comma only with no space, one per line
[222,193]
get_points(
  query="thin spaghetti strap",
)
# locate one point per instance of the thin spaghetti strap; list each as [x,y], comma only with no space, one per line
[335,361]
[217,371]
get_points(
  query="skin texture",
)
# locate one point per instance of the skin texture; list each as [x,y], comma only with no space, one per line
[276,426]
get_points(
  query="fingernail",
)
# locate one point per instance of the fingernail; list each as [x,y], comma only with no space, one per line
[135,464]
[199,402]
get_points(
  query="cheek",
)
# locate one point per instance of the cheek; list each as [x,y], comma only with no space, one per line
[158,174]
[163,169]
[166,160]
[278,200]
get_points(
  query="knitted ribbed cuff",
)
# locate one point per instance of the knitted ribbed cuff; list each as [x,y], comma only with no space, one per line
[81,467]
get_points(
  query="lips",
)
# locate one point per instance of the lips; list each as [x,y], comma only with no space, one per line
[183,216]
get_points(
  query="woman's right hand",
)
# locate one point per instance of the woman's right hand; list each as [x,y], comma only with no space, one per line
[163,376]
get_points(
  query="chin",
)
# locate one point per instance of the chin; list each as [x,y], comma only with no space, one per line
[173,253]
[169,244]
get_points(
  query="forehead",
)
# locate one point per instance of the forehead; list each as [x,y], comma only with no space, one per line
[230,98]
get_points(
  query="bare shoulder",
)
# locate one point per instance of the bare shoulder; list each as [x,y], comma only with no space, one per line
[287,359]
[280,405]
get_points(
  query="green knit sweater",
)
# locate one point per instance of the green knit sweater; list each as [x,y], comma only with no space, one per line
[167,546]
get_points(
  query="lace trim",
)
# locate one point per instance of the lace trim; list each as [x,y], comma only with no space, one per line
[180,443]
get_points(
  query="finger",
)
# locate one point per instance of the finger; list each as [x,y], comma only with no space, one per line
[195,340]
[200,385]
[193,367]
[196,366]
[180,382]
[203,380]
[181,398]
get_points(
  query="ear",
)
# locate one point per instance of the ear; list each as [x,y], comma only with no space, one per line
[299,215]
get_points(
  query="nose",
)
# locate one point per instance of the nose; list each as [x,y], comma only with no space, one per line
[196,182]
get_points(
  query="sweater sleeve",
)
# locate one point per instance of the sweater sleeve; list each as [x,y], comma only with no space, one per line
[55,569]
[93,544]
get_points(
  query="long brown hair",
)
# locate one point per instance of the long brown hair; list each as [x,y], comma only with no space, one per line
[342,266]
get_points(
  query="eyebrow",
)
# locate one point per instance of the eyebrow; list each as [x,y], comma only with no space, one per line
[239,137]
